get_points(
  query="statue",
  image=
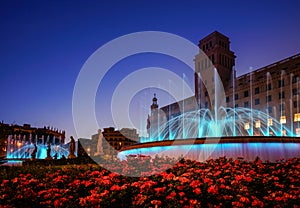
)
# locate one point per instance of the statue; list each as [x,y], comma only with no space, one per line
[48,152]
[72,148]
[99,144]
[33,154]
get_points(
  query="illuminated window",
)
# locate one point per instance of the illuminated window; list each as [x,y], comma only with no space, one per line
[247,126]
[257,124]
[296,117]
[298,131]
[270,122]
[284,132]
[282,119]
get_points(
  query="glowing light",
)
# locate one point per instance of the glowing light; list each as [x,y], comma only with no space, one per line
[257,124]
[204,123]
[247,126]
[282,119]
[298,131]
[19,144]
[270,122]
[296,117]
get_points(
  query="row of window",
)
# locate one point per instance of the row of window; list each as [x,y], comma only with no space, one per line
[257,101]
[210,45]
[280,84]
[281,95]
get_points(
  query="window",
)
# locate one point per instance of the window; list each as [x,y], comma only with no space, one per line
[269,87]
[206,104]
[236,105]
[246,94]
[206,93]
[256,90]
[296,117]
[256,101]
[270,109]
[281,95]
[297,131]
[269,98]
[295,104]
[227,99]
[281,83]
[281,107]
[295,79]
[236,96]
[246,104]
[213,59]
[295,91]
[210,44]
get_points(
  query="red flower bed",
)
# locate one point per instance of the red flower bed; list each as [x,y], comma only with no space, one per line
[216,183]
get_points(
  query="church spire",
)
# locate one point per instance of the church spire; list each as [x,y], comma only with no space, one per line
[154,103]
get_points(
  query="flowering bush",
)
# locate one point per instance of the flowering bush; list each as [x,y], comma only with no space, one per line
[215,183]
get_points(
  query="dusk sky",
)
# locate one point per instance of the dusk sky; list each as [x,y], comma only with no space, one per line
[44,45]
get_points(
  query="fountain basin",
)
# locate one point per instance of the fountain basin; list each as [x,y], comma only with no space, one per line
[201,149]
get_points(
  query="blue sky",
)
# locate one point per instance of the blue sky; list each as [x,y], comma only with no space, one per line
[44,44]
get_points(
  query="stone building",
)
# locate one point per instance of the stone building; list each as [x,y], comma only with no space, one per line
[109,141]
[273,89]
[30,134]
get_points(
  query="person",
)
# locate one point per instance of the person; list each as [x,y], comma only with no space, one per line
[48,152]
[72,148]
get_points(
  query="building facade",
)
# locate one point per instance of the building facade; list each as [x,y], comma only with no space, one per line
[27,133]
[273,90]
[109,141]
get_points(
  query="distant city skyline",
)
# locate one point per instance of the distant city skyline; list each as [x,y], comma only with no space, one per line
[45,44]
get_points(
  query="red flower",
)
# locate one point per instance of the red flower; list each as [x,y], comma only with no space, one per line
[160,190]
[156,202]
[180,188]
[197,191]
[181,194]
[115,188]
[195,183]
[244,199]
[172,195]
[213,189]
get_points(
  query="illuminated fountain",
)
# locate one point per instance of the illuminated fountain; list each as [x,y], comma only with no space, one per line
[197,136]
[22,148]
[222,131]
[235,122]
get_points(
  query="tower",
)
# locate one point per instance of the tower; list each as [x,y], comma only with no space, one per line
[216,48]
[152,121]
[154,103]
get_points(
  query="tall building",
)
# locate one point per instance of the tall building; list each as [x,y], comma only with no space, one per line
[273,89]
